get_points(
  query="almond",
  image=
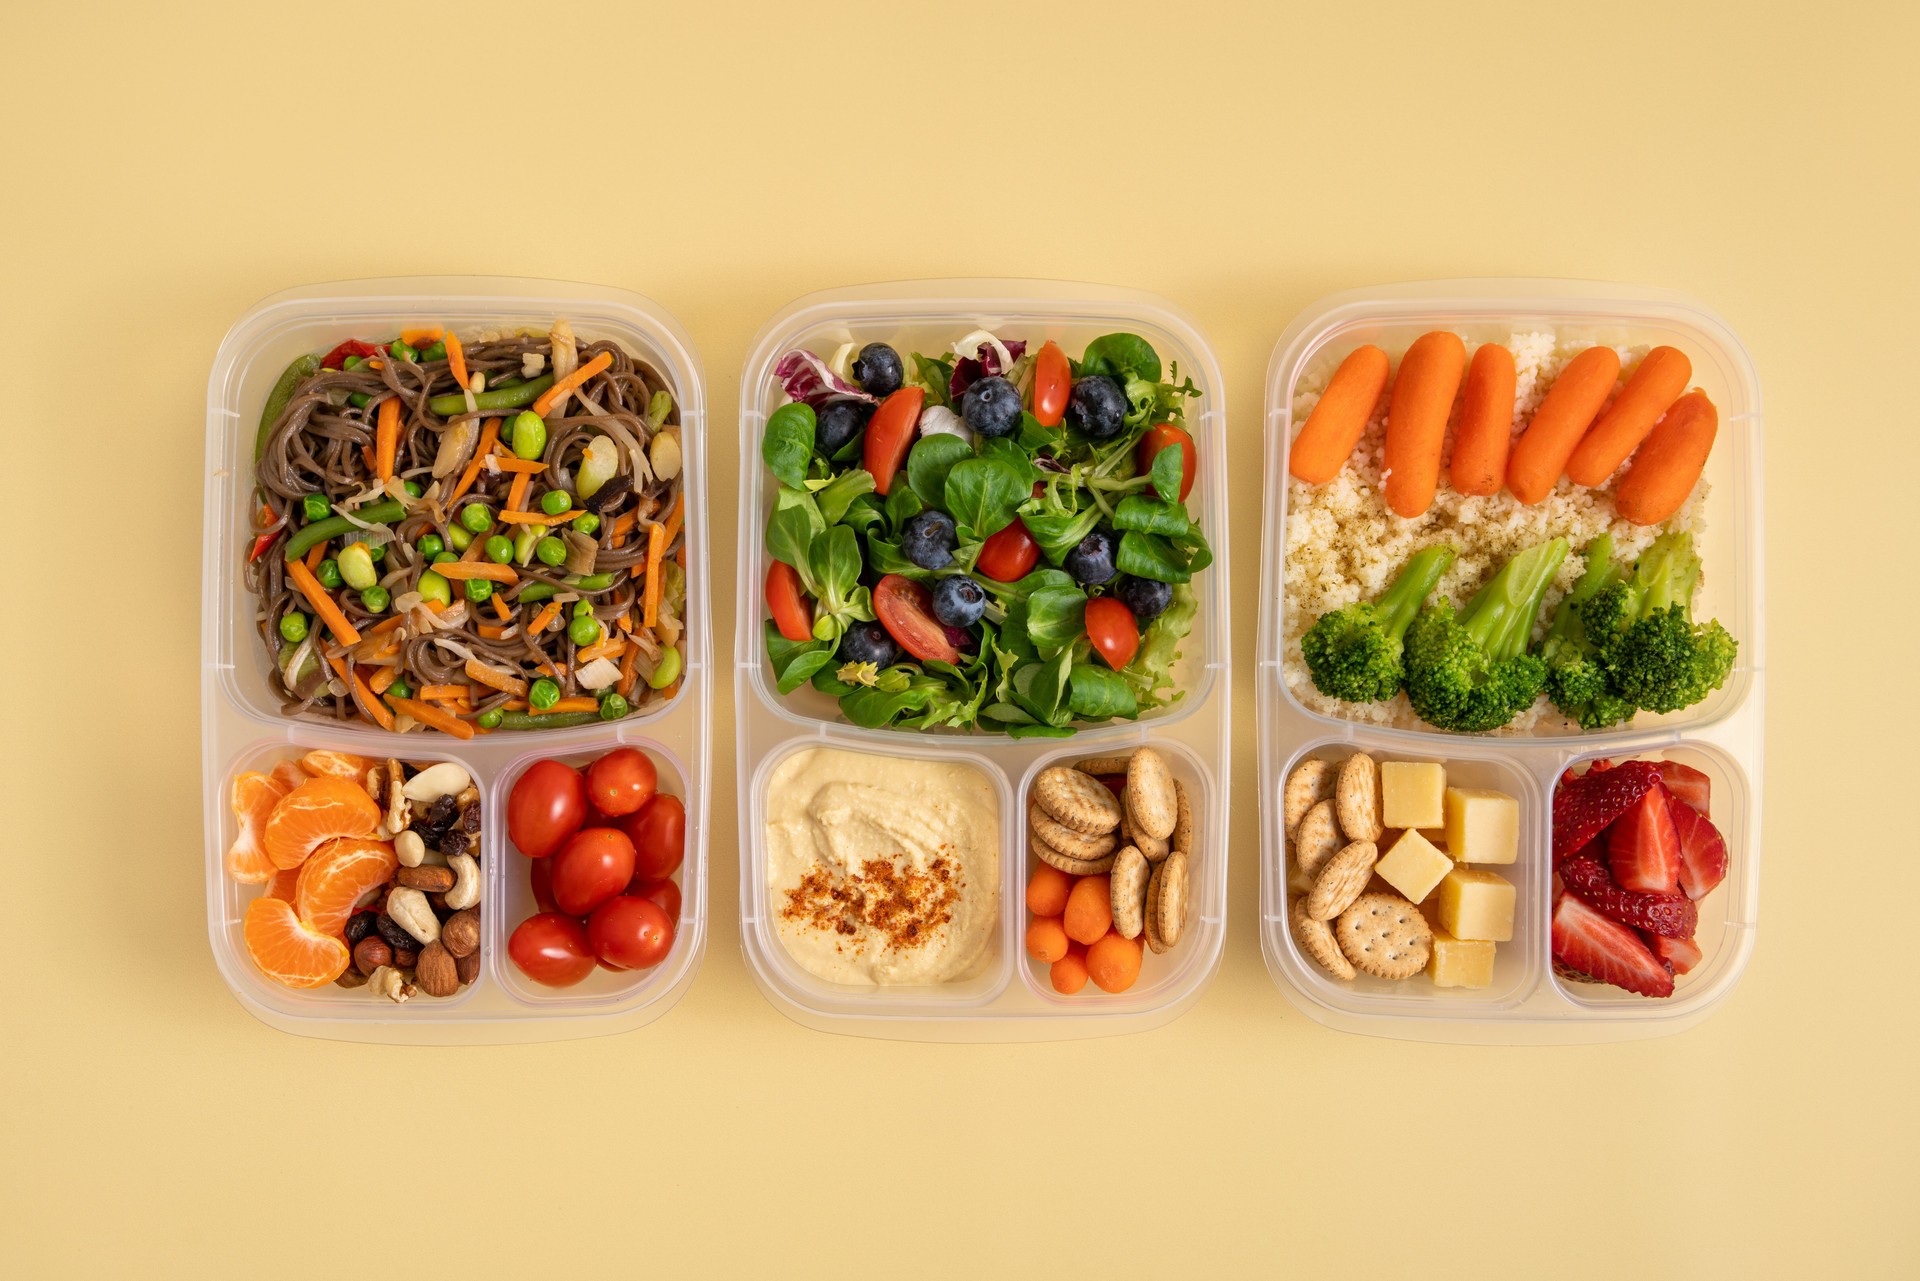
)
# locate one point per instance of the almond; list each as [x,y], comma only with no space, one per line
[435,972]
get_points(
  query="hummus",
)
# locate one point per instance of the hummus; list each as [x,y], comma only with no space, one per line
[882,870]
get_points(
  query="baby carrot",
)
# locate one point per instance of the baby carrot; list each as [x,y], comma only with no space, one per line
[1669,464]
[1417,419]
[1659,381]
[1541,453]
[1337,422]
[1485,431]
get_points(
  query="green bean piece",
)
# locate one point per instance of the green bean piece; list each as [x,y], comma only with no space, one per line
[376,599]
[551,551]
[499,549]
[400,351]
[476,517]
[430,545]
[432,586]
[668,671]
[359,399]
[303,368]
[584,631]
[333,526]
[593,582]
[329,574]
[533,592]
[530,436]
[315,507]
[552,720]
[353,362]
[293,626]
[478,589]
[544,694]
[586,523]
[555,501]
[498,398]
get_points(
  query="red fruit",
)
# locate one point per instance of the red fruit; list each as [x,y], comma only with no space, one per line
[1688,784]
[1703,851]
[1669,915]
[1115,783]
[1584,807]
[1607,950]
[1679,955]
[1643,847]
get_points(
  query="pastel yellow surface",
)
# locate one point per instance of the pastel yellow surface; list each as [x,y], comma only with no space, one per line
[169,165]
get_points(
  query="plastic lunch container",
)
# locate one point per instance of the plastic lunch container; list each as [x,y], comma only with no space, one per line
[1527,1003]
[243,728]
[1011,999]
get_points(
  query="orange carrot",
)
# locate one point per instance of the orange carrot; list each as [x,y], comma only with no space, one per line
[372,460]
[569,705]
[611,647]
[427,714]
[1669,464]
[1540,455]
[1337,422]
[369,704]
[317,554]
[629,670]
[465,569]
[545,616]
[489,433]
[493,677]
[622,526]
[322,603]
[491,631]
[650,603]
[517,492]
[443,693]
[564,385]
[456,359]
[387,436]
[1417,419]
[1659,381]
[383,678]
[537,518]
[394,623]
[676,517]
[425,336]
[1485,430]
[500,608]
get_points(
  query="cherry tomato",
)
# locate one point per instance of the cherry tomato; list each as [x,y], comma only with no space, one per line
[1009,555]
[591,868]
[664,895]
[1052,385]
[630,932]
[890,435]
[1157,439]
[905,609]
[547,806]
[659,835]
[552,949]
[540,877]
[1113,631]
[621,781]
[788,604]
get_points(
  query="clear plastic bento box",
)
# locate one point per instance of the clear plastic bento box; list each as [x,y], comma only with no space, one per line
[1010,998]
[1527,1001]
[243,727]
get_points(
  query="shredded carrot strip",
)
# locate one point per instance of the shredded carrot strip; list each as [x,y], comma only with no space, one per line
[517,492]
[545,616]
[442,693]
[611,647]
[515,704]
[394,623]
[366,452]
[680,557]
[500,608]
[427,714]
[489,433]
[656,548]
[318,554]
[387,437]
[500,449]
[537,518]
[549,669]
[676,517]
[492,631]
[376,364]
[475,546]
[629,670]
[626,621]
[323,605]
[622,526]
[564,385]
[383,678]
[505,682]
[465,569]
[570,705]
[531,466]
[425,336]
[456,358]
[363,698]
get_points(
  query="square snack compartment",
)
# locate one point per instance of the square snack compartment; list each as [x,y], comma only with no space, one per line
[242,727]
[1527,1003]
[1011,1000]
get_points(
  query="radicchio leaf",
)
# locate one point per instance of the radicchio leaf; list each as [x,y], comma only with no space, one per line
[969,370]
[808,380]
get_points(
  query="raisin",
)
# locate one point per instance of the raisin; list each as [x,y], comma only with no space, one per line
[392,931]
[453,843]
[440,814]
[359,925]
[470,821]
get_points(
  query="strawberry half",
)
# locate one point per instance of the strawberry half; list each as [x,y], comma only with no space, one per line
[1585,807]
[1590,943]
[1643,847]
[1703,851]
[1679,955]
[1669,915]
[1688,784]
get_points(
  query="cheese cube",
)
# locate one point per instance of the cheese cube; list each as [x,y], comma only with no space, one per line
[1482,826]
[1410,793]
[1476,905]
[1460,962]
[1413,866]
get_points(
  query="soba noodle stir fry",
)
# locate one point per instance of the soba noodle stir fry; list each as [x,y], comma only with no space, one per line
[460,535]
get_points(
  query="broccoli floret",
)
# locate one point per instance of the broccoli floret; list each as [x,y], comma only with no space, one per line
[1656,657]
[1576,679]
[1471,671]
[1354,653]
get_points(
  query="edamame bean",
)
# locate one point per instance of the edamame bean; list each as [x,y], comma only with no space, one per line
[459,537]
[499,549]
[551,551]
[476,517]
[434,587]
[356,566]
[529,435]
[668,671]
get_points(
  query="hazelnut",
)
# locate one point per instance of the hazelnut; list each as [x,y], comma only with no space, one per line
[370,953]
[436,972]
[425,877]
[405,958]
[351,977]
[461,932]
[468,966]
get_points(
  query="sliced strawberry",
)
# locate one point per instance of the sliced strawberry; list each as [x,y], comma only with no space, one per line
[1588,942]
[1687,783]
[1670,915]
[1643,848]
[1583,808]
[1679,955]
[1703,851]
[1597,763]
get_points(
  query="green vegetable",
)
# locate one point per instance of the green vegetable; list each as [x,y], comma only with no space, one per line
[582,609]
[493,399]
[593,582]
[552,720]
[1056,616]
[668,671]
[1151,516]
[293,626]
[658,408]
[551,551]
[794,662]
[329,574]
[1470,672]
[459,537]
[334,526]
[933,375]
[525,539]
[543,694]
[555,501]
[433,586]
[478,589]
[356,566]
[436,352]
[982,495]
[376,599]
[613,706]
[1656,657]
[1576,678]
[400,351]
[353,362]
[430,545]
[836,497]
[500,549]
[315,507]
[1353,653]
[302,368]
[586,523]
[359,399]
[441,558]
[412,488]
[491,718]
[400,688]
[476,517]
[1100,693]
[929,463]
[379,554]
[529,436]
[1122,356]
[534,592]
[787,446]
[584,631]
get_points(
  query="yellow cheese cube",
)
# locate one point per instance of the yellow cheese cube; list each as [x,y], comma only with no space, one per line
[1410,793]
[1460,962]
[1482,826]
[1476,905]
[1413,866]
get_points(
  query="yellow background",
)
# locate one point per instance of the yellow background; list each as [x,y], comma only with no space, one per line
[168,165]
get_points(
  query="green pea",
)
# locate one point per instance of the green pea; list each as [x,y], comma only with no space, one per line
[499,549]
[400,351]
[293,626]
[434,587]
[543,695]
[476,517]
[436,352]
[583,609]
[356,566]
[668,671]
[441,558]
[359,399]
[430,545]
[412,487]
[379,554]
[400,688]
[555,501]
[586,523]
[551,551]
[353,362]
[492,719]
[478,589]
[459,537]
[375,599]
[613,707]
[584,631]
[315,507]
[529,435]
[329,574]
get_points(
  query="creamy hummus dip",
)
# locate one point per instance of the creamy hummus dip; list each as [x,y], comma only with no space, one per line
[882,870]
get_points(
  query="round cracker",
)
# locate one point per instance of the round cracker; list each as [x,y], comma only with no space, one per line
[1151,933]
[1318,839]
[1077,800]
[1310,783]
[1182,837]
[1170,903]
[1151,799]
[1155,850]
[1128,883]
[1069,842]
[1357,798]
[1316,940]
[1385,936]
[1066,862]
[1098,765]
[1342,880]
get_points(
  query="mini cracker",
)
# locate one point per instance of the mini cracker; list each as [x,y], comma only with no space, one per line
[1310,783]
[1169,903]
[1316,940]
[1069,842]
[1342,880]
[1385,936]
[1128,881]
[1151,799]
[1066,862]
[1357,798]
[1097,765]
[1155,943]
[1318,839]
[1182,837]
[1077,800]
[1155,850]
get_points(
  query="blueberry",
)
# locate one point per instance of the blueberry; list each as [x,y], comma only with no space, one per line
[868,643]
[1091,561]
[1098,408]
[838,422]
[1145,597]
[958,601]
[877,369]
[991,407]
[929,539]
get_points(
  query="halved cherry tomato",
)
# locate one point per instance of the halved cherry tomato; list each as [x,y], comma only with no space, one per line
[1157,439]
[890,435]
[621,781]
[788,603]
[1113,631]
[1052,385]
[1009,555]
[905,609]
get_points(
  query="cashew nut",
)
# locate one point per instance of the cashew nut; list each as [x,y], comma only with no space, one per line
[466,884]
[390,983]
[410,909]
[435,781]
[409,848]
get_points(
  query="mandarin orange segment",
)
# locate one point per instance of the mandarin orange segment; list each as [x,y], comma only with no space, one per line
[289,775]
[285,881]
[328,764]
[287,951]
[253,797]
[314,813]
[339,873]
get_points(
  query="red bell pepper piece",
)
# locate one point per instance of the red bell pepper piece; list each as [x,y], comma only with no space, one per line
[351,347]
